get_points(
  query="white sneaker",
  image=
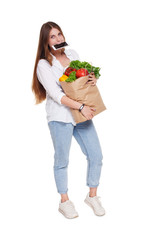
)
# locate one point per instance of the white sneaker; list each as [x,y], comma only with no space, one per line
[67,209]
[95,204]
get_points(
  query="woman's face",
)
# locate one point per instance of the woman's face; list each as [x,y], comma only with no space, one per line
[55,37]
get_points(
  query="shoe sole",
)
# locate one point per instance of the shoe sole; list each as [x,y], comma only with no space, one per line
[93,208]
[65,215]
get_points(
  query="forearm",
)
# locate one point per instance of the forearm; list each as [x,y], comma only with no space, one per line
[70,103]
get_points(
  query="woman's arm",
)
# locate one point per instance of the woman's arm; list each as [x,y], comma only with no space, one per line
[70,103]
[86,111]
[46,78]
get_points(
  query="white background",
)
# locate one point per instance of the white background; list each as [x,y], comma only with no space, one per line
[108,33]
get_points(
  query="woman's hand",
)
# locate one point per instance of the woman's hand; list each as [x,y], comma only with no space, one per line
[87,112]
[92,79]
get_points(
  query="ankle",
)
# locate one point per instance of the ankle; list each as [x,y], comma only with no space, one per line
[93,192]
[92,195]
[64,198]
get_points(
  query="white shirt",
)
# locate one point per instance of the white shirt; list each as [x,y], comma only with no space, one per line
[49,77]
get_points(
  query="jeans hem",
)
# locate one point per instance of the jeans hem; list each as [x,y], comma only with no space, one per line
[63,192]
[92,186]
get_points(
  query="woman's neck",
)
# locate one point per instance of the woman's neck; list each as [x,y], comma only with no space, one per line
[57,53]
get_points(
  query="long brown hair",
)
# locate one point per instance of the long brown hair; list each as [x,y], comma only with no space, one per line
[43,52]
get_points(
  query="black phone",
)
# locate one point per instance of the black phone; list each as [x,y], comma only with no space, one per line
[59,46]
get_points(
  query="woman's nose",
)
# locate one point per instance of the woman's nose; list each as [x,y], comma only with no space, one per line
[58,39]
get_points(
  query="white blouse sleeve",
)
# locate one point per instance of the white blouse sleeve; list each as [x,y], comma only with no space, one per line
[47,79]
[75,55]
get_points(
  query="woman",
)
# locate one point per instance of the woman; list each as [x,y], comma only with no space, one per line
[49,67]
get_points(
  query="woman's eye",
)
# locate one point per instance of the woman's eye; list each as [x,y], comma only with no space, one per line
[53,36]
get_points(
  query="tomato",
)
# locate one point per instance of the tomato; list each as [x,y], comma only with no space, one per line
[69,70]
[81,72]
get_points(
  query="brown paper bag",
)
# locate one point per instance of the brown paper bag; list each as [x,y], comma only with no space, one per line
[83,93]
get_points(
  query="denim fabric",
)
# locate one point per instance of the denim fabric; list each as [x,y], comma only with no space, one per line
[86,136]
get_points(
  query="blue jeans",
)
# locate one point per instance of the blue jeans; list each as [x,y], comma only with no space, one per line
[86,136]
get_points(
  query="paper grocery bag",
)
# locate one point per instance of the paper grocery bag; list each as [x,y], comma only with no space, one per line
[85,93]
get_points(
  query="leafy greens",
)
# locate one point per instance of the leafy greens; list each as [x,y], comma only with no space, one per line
[77,65]
[72,77]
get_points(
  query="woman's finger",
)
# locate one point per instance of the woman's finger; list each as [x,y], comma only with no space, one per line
[92,83]
[92,73]
[94,109]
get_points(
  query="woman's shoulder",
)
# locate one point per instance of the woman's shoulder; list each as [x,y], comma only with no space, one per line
[43,62]
[73,53]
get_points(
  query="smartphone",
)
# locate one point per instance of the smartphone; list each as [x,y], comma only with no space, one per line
[59,46]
